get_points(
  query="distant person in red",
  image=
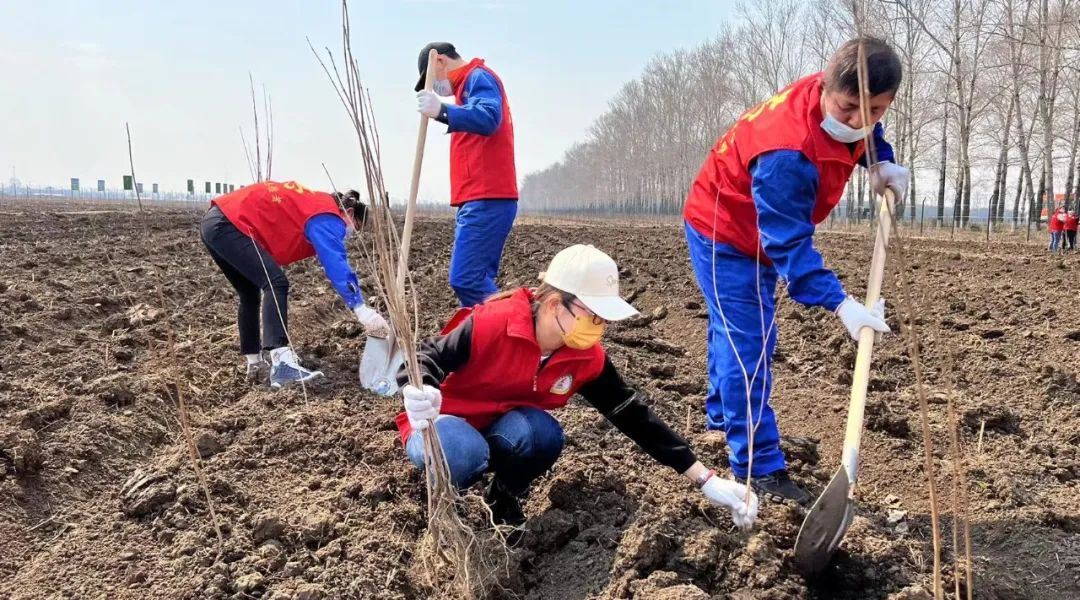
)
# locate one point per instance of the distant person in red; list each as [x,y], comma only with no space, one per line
[483,181]
[1070,229]
[253,232]
[1056,225]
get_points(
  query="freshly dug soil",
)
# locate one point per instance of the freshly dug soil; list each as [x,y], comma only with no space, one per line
[317,499]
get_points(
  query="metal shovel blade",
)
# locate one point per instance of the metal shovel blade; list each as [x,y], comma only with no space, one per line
[824,526]
[379,365]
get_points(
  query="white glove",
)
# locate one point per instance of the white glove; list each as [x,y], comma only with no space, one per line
[421,405]
[428,104]
[374,323]
[855,316]
[724,492]
[890,175]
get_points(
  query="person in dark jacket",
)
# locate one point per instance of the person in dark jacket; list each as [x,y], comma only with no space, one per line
[496,370]
[254,231]
[483,180]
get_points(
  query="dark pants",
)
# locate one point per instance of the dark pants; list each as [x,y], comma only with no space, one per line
[1071,237]
[242,261]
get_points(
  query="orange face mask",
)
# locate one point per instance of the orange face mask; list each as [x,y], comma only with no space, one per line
[584,333]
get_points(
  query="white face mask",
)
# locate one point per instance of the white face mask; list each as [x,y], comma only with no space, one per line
[442,87]
[840,131]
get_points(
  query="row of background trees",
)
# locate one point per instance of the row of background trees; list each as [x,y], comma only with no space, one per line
[988,112]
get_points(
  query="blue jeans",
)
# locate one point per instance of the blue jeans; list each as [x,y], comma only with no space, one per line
[519,446]
[745,293]
[482,229]
[1055,240]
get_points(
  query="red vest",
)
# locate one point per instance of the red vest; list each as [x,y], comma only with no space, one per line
[1071,222]
[482,166]
[1057,222]
[274,215]
[720,205]
[503,369]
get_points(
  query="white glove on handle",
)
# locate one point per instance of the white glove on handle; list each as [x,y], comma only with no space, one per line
[421,405]
[890,175]
[374,323]
[428,104]
[855,316]
[724,492]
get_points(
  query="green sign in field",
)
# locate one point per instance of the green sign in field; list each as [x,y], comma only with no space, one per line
[127,183]
[74,184]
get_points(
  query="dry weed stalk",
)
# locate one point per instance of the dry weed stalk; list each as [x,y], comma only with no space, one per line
[185,422]
[961,518]
[910,329]
[451,547]
[181,403]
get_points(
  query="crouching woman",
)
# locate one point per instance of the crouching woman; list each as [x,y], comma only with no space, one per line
[496,370]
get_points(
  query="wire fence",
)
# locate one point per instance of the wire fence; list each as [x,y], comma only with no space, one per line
[975,228]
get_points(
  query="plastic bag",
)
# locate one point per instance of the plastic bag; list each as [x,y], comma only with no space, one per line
[379,365]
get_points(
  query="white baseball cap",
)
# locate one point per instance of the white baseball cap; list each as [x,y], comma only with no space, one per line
[593,277]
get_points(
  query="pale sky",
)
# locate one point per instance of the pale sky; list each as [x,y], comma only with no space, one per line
[72,72]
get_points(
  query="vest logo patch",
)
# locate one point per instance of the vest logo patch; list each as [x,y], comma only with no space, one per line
[562,385]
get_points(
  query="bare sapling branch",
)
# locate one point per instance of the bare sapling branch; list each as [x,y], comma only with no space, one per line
[906,304]
[131,163]
[452,556]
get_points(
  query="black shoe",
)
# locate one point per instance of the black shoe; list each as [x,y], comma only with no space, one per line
[779,488]
[505,507]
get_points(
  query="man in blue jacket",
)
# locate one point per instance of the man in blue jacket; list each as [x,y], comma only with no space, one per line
[750,219]
[483,181]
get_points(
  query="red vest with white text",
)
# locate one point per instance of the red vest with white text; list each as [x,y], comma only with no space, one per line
[720,205]
[274,215]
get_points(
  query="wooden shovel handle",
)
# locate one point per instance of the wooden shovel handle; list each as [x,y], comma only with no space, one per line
[861,378]
[414,186]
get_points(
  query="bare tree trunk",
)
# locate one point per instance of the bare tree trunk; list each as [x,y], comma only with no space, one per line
[1046,110]
[1070,197]
[997,200]
[941,169]
[1016,201]
[860,193]
[1039,202]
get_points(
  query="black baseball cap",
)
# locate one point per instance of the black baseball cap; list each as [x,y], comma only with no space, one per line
[443,48]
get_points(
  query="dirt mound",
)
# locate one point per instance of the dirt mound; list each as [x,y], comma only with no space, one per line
[317,500]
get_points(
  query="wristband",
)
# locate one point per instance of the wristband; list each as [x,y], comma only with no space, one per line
[701,481]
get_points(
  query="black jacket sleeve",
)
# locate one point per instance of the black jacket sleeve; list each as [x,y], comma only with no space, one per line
[441,355]
[624,406]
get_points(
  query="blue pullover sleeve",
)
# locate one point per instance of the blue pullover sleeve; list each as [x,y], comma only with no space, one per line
[326,233]
[483,109]
[881,147]
[784,186]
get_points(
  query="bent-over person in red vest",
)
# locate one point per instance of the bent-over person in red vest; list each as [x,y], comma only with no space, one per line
[258,229]
[750,218]
[495,372]
[483,179]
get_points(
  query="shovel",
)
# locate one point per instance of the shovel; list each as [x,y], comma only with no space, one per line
[831,515]
[379,365]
